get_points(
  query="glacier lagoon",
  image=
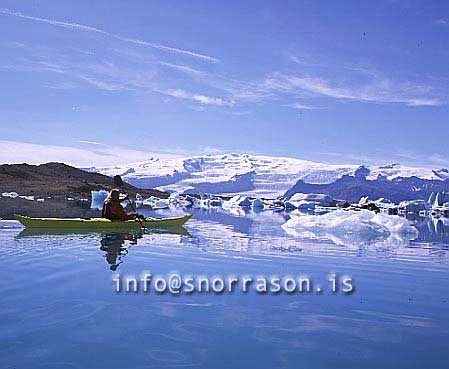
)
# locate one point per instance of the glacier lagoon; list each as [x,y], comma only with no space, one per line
[59,308]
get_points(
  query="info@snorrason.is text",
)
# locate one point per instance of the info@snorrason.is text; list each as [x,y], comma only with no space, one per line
[176,283]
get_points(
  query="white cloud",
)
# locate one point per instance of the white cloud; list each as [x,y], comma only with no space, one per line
[13,152]
[90,142]
[300,106]
[201,99]
[183,68]
[378,90]
[104,85]
[442,22]
[84,28]
[295,59]
[439,159]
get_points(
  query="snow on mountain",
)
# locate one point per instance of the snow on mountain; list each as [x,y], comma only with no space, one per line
[262,176]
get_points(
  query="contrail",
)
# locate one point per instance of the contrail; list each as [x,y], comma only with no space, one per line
[82,27]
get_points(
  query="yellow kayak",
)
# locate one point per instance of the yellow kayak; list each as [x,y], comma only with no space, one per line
[101,222]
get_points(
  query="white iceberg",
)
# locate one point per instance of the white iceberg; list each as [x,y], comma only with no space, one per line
[300,205]
[210,203]
[308,201]
[29,198]
[139,200]
[414,206]
[156,203]
[98,198]
[11,194]
[440,199]
[216,203]
[238,201]
[384,203]
[350,227]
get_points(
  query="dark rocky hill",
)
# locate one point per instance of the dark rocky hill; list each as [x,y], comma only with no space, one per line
[55,183]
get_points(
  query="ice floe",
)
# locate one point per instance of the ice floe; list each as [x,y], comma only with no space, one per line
[98,198]
[11,194]
[156,203]
[308,201]
[343,227]
[238,201]
[414,206]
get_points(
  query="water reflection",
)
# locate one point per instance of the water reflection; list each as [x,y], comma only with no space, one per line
[250,234]
[113,244]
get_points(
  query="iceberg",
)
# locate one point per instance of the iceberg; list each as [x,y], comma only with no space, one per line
[350,227]
[238,201]
[308,201]
[12,194]
[156,203]
[98,198]
[139,200]
[257,204]
[440,199]
[316,198]
[414,206]
[29,198]
[211,203]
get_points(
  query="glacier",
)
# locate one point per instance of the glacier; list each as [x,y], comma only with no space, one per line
[270,177]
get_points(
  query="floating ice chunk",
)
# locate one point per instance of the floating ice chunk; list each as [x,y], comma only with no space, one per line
[40,200]
[257,204]
[98,198]
[414,206]
[364,200]
[174,198]
[139,200]
[210,203]
[238,201]
[156,203]
[216,203]
[300,205]
[12,194]
[440,199]
[431,199]
[29,198]
[191,201]
[346,227]
[317,198]
[383,203]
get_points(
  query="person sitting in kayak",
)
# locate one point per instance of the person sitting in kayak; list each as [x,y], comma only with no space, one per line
[112,209]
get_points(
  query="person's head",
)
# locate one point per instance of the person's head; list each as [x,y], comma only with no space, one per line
[115,195]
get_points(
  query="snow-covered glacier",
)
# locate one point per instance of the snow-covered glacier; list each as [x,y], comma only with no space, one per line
[253,175]
[262,176]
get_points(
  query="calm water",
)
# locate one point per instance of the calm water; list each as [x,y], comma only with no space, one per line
[59,309]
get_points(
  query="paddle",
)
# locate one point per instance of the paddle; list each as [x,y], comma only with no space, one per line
[118,181]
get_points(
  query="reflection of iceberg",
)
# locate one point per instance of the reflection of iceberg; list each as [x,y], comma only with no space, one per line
[351,227]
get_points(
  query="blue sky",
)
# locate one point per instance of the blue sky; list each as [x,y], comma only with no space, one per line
[353,81]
